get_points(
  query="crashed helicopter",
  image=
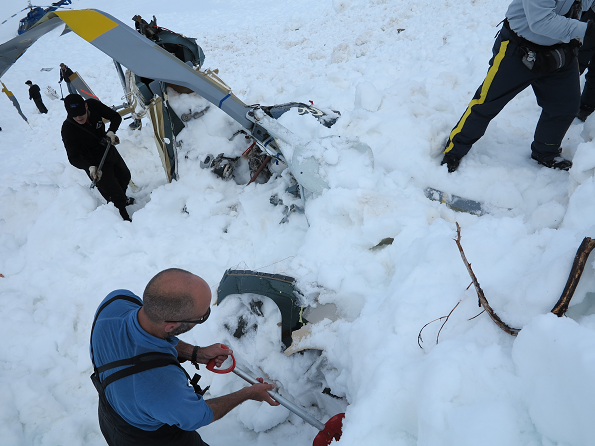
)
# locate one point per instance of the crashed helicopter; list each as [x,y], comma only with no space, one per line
[158,58]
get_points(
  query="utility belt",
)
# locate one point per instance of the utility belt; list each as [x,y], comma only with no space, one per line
[544,59]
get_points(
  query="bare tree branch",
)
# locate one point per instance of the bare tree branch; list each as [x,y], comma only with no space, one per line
[477,315]
[480,295]
[444,323]
[580,260]
[419,338]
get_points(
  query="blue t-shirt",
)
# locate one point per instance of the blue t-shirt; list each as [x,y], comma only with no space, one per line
[152,398]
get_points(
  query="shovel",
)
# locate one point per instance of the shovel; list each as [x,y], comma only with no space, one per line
[329,431]
[108,145]
[61,94]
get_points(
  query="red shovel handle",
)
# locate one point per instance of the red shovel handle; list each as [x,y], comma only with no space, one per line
[211,364]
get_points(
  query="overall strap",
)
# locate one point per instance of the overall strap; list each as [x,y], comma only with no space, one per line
[138,363]
[119,297]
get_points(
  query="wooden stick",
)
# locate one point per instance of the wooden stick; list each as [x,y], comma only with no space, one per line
[580,260]
[482,299]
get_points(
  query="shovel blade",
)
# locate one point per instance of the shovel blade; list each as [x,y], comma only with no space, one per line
[332,431]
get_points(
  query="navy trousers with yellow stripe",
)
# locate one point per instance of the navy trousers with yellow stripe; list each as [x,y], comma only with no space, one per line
[557,93]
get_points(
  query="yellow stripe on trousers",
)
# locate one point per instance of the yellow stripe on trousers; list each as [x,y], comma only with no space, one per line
[487,83]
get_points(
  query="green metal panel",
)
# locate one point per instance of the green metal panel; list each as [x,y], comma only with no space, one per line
[277,287]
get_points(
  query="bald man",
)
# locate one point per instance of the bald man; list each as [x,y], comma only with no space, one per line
[144,396]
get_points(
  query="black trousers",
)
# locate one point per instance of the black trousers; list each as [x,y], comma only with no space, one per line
[586,61]
[557,93]
[118,432]
[115,177]
[40,105]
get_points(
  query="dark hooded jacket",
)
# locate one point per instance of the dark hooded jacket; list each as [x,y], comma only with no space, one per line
[34,92]
[65,74]
[84,143]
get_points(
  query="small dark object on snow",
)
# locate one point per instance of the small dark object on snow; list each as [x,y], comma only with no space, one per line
[288,210]
[455,202]
[384,242]
[275,200]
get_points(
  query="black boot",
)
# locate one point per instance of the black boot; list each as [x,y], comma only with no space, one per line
[557,163]
[124,214]
[584,112]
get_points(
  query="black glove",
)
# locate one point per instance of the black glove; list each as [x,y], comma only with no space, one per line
[575,44]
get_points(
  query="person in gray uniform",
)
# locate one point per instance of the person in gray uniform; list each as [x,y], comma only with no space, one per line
[537,46]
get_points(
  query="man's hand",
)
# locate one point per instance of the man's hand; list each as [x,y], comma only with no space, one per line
[260,392]
[205,354]
[257,392]
[113,138]
[94,174]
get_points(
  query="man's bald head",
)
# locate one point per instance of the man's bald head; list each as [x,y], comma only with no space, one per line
[175,294]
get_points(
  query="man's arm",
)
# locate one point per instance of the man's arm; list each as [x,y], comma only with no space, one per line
[203,354]
[257,392]
[113,116]
[543,20]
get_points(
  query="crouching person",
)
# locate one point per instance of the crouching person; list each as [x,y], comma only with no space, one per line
[144,396]
[84,137]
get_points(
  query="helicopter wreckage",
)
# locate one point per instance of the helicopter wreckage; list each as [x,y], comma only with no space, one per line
[156,60]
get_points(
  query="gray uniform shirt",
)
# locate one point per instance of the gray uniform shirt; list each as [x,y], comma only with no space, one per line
[543,22]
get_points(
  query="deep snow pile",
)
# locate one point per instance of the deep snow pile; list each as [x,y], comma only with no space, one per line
[401,74]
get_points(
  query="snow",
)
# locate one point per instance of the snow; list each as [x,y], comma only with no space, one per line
[401,74]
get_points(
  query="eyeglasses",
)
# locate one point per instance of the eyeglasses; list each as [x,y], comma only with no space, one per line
[197,321]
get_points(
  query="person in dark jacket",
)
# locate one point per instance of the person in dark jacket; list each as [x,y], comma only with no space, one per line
[85,140]
[36,96]
[65,74]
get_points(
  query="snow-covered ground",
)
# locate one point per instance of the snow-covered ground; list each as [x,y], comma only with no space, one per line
[401,74]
